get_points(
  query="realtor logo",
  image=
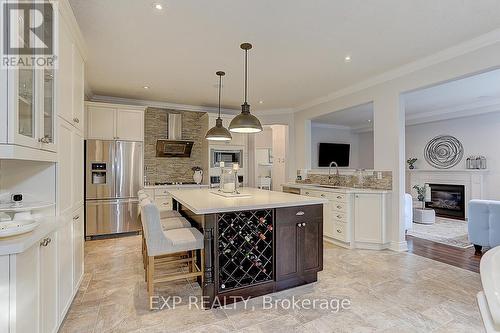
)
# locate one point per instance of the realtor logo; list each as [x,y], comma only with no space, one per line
[28,33]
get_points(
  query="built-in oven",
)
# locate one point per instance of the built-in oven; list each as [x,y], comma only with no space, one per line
[229,157]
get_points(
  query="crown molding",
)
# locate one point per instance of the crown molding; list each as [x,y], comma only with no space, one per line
[183,107]
[471,45]
[459,111]
[330,126]
[70,19]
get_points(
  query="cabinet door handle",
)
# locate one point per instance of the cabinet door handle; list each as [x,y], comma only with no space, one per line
[76,120]
[339,216]
[49,240]
[303,224]
[307,192]
[339,207]
[299,225]
[44,242]
[76,217]
[300,213]
[339,197]
[339,231]
[323,195]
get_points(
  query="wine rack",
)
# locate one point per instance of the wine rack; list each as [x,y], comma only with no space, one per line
[245,248]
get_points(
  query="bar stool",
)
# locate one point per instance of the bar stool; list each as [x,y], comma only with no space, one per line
[162,244]
[168,219]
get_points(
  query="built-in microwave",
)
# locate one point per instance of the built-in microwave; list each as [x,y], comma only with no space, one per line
[229,157]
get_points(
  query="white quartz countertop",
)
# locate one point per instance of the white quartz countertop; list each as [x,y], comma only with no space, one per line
[202,201]
[337,189]
[175,186]
[20,243]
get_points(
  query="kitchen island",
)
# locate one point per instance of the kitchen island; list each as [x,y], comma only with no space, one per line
[255,244]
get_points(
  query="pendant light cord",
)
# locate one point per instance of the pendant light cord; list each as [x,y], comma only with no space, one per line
[220,88]
[246,74]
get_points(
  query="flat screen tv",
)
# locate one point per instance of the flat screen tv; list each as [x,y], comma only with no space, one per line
[338,152]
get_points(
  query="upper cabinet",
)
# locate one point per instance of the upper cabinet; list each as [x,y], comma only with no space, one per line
[71,80]
[32,98]
[114,122]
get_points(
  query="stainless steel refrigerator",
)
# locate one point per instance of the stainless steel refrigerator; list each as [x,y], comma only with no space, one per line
[113,175]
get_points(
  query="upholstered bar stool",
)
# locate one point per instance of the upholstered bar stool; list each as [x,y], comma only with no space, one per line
[170,220]
[161,244]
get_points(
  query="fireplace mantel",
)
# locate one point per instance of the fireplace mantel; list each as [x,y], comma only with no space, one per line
[472,179]
[449,170]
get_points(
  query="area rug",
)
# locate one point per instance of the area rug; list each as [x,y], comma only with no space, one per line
[445,231]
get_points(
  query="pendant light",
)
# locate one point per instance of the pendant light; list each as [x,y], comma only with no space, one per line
[245,122]
[218,132]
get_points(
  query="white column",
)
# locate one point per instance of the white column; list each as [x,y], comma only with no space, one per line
[389,147]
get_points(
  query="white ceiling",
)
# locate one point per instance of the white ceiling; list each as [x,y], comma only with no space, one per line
[459,98]
[299,46]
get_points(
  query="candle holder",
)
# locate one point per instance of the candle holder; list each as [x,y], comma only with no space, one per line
[236,182]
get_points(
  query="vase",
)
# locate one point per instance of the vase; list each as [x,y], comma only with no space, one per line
[198,176]
[411,167]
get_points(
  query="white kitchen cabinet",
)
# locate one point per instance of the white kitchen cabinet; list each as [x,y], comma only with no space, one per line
[48,284]
[114,122]
[4,297]
[129,125]
[77,168]
[23,288]
[78,89]
[71,82]
[78,247]
[65,77]
[64,167]
[370,215]
[65,266]
[100,123]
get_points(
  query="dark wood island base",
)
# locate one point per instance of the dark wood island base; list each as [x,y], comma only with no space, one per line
[257,252]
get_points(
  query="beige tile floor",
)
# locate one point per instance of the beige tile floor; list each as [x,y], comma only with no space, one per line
[389,292]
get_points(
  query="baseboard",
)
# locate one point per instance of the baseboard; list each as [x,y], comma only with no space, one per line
[337,242]
[70,303]
[398,246]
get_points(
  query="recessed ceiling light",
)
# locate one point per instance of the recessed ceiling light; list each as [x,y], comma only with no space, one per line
[347,58]
[146,87]
[261,102]
[157,6]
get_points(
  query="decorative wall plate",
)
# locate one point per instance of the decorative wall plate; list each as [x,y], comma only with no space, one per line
[444,152]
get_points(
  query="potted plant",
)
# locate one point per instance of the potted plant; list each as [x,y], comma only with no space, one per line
[420,193]
[410,162]
[198,174]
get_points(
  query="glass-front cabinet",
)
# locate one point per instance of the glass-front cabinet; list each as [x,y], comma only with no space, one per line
[31,107]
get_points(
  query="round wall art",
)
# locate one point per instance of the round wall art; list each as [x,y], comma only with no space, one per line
[444,152]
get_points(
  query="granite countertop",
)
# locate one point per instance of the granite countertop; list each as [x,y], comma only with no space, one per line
[203,201]
[318,187]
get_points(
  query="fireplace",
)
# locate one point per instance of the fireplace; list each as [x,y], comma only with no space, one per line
[448,200]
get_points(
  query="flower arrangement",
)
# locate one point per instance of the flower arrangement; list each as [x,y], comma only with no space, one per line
[411,161]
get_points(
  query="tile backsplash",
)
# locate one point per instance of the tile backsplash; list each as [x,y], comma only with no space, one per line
[369,180]
[171,169]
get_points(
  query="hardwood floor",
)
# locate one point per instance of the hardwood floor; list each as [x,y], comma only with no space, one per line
[463,258]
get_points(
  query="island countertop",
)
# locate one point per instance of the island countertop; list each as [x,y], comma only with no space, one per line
[203,201]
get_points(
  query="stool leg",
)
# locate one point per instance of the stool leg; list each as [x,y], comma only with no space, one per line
[202,266]
[150,274]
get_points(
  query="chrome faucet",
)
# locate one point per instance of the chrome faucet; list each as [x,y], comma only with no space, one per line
[330,169]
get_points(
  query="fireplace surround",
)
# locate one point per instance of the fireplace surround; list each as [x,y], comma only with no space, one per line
[448,200]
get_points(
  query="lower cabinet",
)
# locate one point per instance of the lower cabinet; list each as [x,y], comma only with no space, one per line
[48,284]
[65,267]
[299,245]
[370,215]
[24,268]
[78,246]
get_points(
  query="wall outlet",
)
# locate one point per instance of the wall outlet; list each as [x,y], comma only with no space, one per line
[379,174]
